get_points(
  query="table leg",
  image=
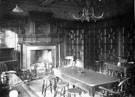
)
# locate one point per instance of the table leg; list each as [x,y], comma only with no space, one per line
[92,92]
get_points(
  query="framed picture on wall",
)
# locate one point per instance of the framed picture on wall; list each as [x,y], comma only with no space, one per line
[42,27]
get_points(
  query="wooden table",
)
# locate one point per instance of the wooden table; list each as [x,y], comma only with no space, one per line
[17,84]
[86,79]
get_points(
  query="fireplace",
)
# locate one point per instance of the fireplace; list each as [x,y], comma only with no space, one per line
[37,54]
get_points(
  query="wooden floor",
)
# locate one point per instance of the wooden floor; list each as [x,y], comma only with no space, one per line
[36,85]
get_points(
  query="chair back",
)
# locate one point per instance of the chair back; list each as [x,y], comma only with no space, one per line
[125,85]
[79,63]
[3,67]
[121,89]
[115,71]
[67,61]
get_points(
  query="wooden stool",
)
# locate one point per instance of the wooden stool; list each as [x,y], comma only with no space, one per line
[73,92]
[49,81]
[25,75]
[61,89]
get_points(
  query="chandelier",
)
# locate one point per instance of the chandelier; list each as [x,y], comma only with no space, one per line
[88,13]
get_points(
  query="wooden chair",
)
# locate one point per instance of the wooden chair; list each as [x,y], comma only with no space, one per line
[120,90]
[115,71]
[98,66]
[3,67]
[25,75]
[3,77]
[67,61]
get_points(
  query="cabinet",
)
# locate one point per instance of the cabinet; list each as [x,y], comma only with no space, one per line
[6,54]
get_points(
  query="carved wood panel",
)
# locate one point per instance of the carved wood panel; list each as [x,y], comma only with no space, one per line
[128,42]
[88,48]
[75,42]
[106,43]
[105,40]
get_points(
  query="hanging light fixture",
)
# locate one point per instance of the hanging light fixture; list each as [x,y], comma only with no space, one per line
[88,13]
[17,9]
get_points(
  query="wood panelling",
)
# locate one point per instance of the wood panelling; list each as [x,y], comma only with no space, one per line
[128,41]
[106,43]
[103,40]
[75,42]
[111,39]
[88,48]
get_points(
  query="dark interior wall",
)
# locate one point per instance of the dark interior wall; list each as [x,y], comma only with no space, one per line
[75,42]
[108,39]
[127,42]
[89,47]
[101,43]
[103,40]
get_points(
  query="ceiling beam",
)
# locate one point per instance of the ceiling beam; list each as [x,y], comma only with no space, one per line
[46,2]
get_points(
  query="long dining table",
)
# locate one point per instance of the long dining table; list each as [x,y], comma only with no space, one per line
[87,80]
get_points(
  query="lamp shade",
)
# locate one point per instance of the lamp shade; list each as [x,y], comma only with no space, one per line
[13,93]
[17,9]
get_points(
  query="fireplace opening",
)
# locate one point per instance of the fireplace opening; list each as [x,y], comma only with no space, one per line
[33,54]
[41,61]
[39,56]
